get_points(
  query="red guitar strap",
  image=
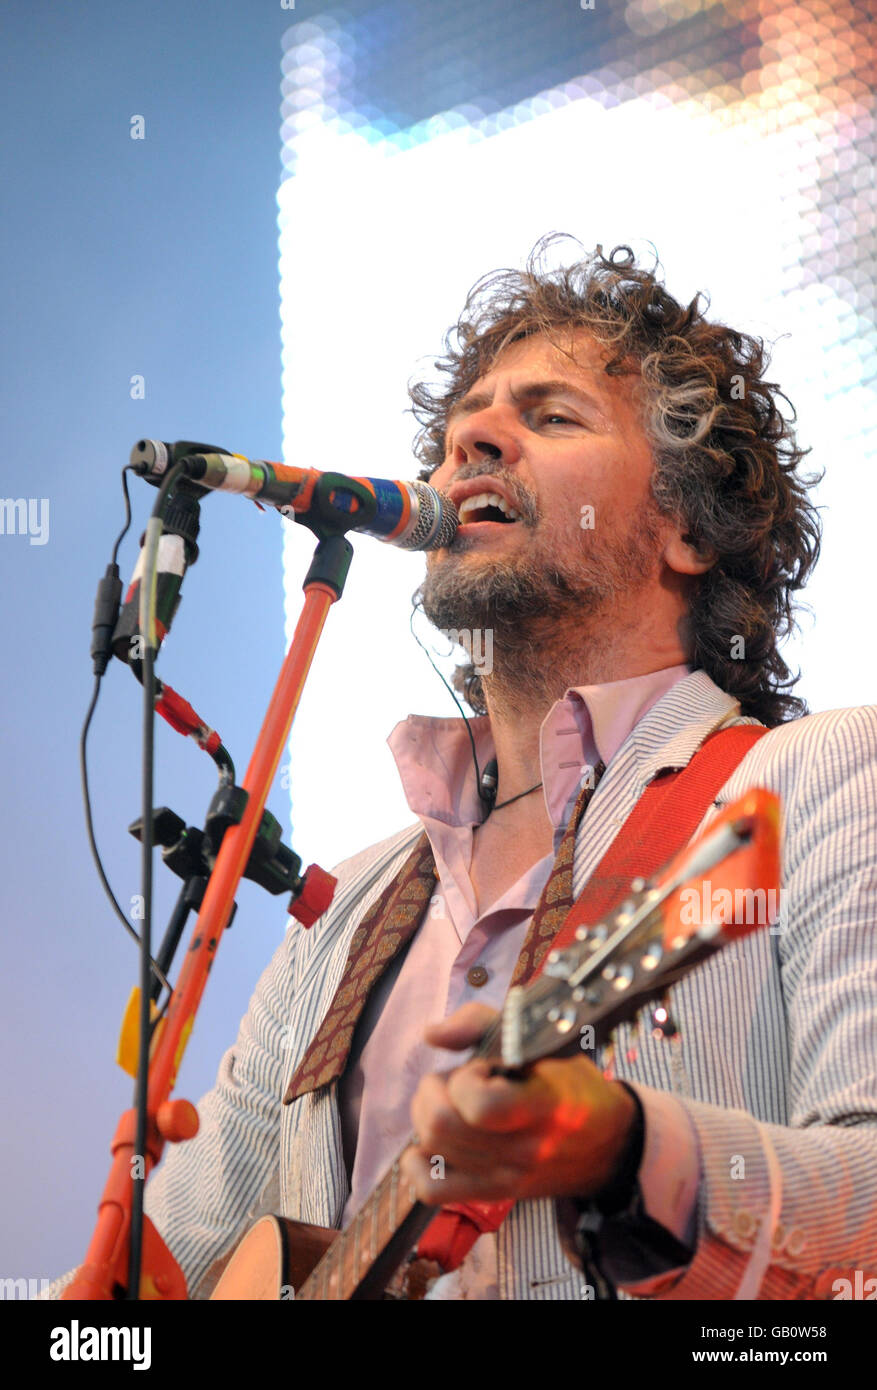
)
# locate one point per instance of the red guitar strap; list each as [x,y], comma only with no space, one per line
[661,823]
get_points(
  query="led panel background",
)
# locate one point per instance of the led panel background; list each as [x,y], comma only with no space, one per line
[422,151]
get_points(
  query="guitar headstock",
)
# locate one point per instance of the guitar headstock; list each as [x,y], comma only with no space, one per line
[719,888]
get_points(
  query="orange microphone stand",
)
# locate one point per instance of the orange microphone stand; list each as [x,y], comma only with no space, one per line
[104,1272]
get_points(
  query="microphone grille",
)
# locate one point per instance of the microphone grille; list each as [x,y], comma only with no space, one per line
[437,519]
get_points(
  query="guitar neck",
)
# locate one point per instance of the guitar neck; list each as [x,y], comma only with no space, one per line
[363,1257]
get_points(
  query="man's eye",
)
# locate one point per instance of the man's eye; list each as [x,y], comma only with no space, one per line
[553,415]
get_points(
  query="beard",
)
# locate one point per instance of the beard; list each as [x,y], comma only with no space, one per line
[552,610]
[509,594]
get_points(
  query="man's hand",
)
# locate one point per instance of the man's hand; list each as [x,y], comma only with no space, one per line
[557,1133]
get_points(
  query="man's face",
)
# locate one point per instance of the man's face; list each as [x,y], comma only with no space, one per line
[561,443]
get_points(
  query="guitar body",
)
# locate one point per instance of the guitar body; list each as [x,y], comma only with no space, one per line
[273,1260]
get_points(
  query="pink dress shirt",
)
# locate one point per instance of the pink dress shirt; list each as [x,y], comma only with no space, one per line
[434,977]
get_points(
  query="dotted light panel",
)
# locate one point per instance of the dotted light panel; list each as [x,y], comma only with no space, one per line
[423,146]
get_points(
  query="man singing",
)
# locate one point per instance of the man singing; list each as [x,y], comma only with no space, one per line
[633,528]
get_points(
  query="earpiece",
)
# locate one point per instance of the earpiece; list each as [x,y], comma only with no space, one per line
[489,781]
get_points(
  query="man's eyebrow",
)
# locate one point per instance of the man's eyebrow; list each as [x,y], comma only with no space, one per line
[530,391]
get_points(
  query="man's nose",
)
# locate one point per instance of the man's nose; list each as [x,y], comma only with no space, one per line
[484,435]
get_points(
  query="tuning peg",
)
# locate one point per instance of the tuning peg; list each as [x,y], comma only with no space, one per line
[663,1025]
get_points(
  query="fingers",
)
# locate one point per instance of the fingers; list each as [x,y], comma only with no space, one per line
[495,1103]
[469,1105]
[441,1128]
[484,1137]
[435,1182]
[463,1029]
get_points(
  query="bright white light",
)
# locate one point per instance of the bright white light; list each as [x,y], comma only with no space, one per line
[378,250]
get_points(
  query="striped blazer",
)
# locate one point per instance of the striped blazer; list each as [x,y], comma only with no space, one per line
[775,1063]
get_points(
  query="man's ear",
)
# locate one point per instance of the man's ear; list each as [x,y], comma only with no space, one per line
[687,555]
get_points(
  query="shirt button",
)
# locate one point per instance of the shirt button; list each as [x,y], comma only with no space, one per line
[744,1224]
[795,1242]
[477,976]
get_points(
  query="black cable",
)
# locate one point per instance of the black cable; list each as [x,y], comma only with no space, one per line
[138,1177]
[89,829]
[129,468]
[415,609]
[83,756]
[535,787]
[488,800]
[159,1015]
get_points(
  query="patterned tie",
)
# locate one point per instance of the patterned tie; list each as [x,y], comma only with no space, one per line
[390,923]
[557,895]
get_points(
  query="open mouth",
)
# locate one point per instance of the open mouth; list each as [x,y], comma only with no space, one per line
[486,506]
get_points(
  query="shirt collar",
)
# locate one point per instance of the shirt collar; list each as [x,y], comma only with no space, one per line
[591,723]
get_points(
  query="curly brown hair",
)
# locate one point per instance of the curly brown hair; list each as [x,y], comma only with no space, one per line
[725,457]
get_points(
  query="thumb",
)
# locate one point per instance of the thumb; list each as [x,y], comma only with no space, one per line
[462,1029]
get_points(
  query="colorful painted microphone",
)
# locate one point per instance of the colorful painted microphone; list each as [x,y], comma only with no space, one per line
[413,516]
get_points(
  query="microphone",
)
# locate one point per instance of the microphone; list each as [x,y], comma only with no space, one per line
[413,516]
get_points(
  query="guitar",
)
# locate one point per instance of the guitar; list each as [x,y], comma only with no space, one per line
[662,929]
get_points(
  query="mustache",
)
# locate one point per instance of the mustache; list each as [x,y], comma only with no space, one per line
[524,501]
